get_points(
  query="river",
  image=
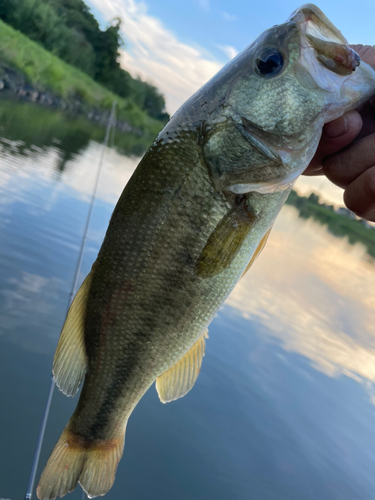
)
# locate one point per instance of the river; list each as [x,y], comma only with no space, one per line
[284,405]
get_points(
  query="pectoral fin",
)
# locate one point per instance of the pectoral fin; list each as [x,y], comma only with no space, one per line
[70,361]
[225,242]
[259,248]
[178,380]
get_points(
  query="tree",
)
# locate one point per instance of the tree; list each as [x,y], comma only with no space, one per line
[69,30]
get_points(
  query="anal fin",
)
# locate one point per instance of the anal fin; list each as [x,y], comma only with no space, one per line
[70,361]
[180,379]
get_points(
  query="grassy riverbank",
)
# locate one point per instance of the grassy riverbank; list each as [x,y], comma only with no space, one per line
[340,222]
[47,72]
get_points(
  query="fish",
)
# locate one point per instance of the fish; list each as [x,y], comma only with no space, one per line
[189,224]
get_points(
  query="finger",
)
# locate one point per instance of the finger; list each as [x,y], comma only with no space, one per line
[365,52]
[367,110]
[367,113]
[336,135]
[345,166]
[359,196]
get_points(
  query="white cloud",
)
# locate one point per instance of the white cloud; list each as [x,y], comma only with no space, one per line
[322,186]
[155,53]
[228,50]
[228,17]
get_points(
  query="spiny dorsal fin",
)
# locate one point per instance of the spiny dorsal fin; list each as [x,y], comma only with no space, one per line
[259,248]
[225,242]
[70,361]
[178,380]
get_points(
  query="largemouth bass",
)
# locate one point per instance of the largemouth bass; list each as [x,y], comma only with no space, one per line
[190,222]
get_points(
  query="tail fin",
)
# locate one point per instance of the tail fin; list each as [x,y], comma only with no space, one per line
[73,460]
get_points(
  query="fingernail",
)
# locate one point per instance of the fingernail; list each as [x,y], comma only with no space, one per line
[316,171]
[337,127]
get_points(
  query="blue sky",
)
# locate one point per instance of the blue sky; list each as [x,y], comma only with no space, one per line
[179,45]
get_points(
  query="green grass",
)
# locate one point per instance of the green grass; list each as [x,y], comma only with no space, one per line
[46,71]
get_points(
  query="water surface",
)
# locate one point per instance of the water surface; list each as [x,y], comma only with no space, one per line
[284,405]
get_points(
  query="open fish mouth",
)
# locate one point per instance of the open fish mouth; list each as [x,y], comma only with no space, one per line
[323,42]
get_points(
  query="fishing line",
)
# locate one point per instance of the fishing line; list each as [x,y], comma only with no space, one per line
[111,121]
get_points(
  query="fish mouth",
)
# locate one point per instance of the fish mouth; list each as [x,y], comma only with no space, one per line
[321,39]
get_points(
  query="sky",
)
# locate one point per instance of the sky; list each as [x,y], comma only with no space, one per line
[178,46]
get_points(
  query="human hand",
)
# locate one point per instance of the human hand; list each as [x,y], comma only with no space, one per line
[346,152]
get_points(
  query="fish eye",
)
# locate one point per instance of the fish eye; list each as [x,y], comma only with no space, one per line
[270,62]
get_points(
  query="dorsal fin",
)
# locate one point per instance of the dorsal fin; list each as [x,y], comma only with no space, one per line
[178,380]
[70,361]
[259,248]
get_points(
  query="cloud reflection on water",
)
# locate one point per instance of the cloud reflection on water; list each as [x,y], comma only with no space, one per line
[310,289]
[43,212]
[19,171]
[315,293]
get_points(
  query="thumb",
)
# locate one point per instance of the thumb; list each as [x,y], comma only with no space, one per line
[336,135]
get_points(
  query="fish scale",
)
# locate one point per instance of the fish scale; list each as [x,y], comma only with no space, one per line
[191,221]
[171,292]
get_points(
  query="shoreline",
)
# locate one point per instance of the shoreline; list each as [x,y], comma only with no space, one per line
[13,84]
